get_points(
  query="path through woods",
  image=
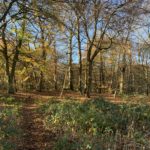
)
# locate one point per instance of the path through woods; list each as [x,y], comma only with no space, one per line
[35,136]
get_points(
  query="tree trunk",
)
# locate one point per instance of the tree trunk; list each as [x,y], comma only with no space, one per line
[55,68]
[121,83]
[70,77]
[122,75]
[41,82]
[146,77]
[10,71]
[80,57]
[101,73]
[89,79]
[70,63]
[85,78]
[43,56]
[80,77]
[11,88]
[55,77]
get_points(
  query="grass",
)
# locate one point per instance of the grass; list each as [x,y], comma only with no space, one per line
[97,125]
[9,123]
[91,125]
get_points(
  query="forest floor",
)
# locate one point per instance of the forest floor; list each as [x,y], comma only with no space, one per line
[45,96]
[34,136]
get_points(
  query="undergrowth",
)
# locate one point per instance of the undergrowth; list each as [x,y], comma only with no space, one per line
[9,122]
[97,125]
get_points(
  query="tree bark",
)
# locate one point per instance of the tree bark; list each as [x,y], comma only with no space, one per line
[11,71]
[55,68]
[11,89]
[121,83]
[80,55]
[41,82]
[146,77]
[101,72]
[70,63]
[89,79]
[43,56]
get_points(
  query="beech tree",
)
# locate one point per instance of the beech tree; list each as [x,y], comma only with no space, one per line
[6,47]
[90,40]
[99,18]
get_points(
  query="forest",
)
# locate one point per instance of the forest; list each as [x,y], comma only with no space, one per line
[74,75]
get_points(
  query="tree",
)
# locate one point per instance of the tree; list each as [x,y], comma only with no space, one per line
[98,27]
[10,68]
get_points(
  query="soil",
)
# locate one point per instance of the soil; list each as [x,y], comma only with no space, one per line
[34,136]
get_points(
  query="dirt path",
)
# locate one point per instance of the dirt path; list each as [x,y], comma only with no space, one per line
[34,136]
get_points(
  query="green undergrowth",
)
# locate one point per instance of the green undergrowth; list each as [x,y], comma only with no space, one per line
[9,123]
[8,100]
[97,125]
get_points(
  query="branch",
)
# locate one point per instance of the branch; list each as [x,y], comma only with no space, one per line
[7,10]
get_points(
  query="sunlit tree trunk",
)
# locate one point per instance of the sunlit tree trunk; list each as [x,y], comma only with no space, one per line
[122,74]
[10,69]
[80,56]
[43,56]
[121,83]
[55,68]
[70,63]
